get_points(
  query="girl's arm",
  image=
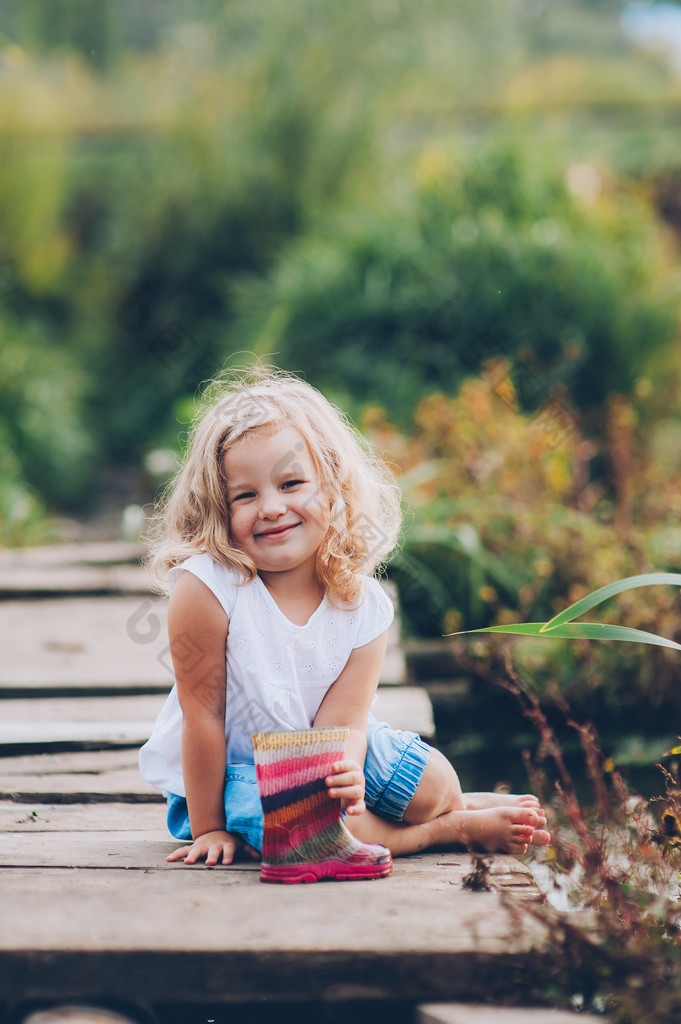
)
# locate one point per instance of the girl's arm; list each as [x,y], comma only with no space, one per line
[347,704]
[197,628]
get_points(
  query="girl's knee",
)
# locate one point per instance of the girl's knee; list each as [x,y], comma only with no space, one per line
[438,791]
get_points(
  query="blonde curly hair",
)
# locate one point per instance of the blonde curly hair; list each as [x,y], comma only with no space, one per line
[364,503]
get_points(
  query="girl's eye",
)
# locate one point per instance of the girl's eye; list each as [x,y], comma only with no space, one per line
[291,483]
[242,497]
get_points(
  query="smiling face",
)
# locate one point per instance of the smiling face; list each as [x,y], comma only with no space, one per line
[275,501]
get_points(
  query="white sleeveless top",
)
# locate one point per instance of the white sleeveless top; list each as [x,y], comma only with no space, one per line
[277,672]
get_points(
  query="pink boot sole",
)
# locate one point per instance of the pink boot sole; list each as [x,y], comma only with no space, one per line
[326,870]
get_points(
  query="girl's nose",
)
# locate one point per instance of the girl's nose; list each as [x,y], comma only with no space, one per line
[272,505]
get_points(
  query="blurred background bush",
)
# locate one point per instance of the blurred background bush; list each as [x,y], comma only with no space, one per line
[461,220]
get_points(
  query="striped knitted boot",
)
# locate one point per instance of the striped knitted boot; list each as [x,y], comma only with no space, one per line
[304,838]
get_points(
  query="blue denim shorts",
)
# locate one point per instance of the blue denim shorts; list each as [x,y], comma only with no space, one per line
[394,765]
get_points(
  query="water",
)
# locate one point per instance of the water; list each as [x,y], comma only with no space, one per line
[655,27]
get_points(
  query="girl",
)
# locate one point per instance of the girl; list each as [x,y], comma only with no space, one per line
[269,541]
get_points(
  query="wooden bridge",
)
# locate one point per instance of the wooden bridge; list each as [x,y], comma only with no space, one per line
[90,912]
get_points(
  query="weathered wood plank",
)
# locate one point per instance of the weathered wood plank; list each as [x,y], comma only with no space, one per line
[71,723]
[174,932]
[127,786]
[79,644]
[79,777]
[147,849]
[416,878]
[79,763]
[76,1014]
[394,669]
[110,641]
[73,568]
[36,818]
[127,850]
[124,920]
[76,710]
[406,707]
[464,1013]
[73,579]
[85,553]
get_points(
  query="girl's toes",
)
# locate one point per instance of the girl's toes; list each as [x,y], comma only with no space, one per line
[540,837]
[526,816]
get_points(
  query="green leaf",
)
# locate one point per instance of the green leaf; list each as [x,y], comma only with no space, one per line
[580,631]
[465,539]
[618,587]
[524,628]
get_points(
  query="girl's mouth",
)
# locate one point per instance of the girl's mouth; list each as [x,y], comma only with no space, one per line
[277,531]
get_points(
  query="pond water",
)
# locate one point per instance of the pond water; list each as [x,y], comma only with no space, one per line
[655,27]
[485,736]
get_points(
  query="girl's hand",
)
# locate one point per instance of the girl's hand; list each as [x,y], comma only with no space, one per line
[347,783]
[213,846]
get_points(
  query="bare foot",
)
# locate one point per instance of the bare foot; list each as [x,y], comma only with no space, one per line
[479,801]
[494,829]
[483,801]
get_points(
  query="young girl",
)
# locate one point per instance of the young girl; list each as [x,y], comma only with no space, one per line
[269,541]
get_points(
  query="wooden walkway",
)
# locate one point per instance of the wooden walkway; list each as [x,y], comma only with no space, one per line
[90,910]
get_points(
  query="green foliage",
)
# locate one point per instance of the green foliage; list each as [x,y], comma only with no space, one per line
[490,255]
[125,219]
[510,527]
[40,388]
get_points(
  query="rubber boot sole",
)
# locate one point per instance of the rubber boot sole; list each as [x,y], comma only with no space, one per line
[324,871]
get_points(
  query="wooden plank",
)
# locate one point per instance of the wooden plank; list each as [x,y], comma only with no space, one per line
[79,763]
[116,642]
[102,787]
[394,668]
[95,908]
[61,836]
[170,932]
[83,817]
[406,707]
[73,579]
[71,723]
[85,725]
[54,849]
[74,645]
[464,1013]
[84,763]
[76,1014]
[84,553]
[147,845]
[76,710]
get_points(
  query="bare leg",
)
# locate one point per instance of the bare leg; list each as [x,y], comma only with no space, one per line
[496,829]
[440,815]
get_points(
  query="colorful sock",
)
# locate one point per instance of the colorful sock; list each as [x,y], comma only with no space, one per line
[304,838]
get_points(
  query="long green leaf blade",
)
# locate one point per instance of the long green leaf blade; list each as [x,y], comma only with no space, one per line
[524,628]
[619,586]
[580,631]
